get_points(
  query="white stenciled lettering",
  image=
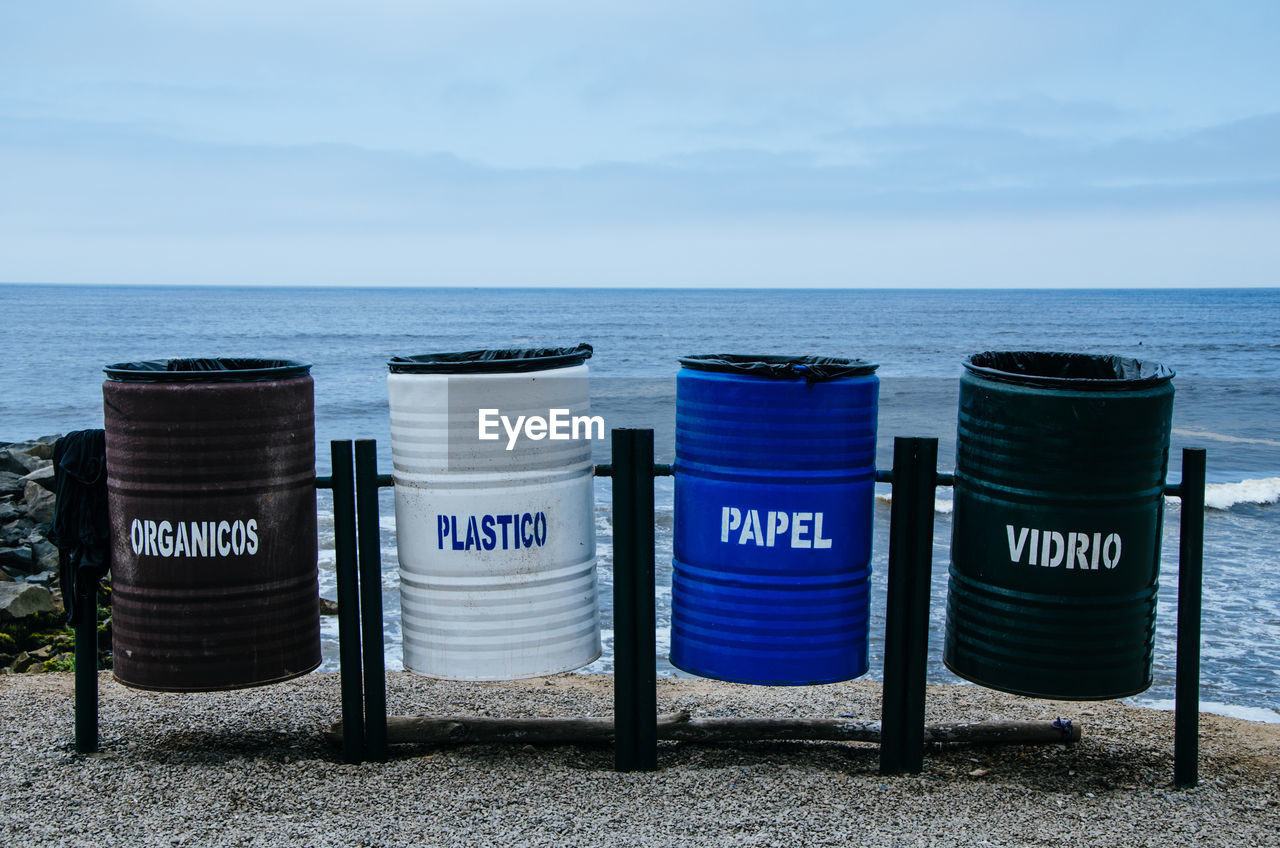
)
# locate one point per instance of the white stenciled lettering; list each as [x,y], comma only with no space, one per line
[730,520]
[1015,548]
[224,544]
[1078,550]
[799,527]
[818,540]
[1111,551]
[194,539]
[778,523]
[774,528]
[164,534]
[151,539]
[199,538]
[136,536]
[1053,550]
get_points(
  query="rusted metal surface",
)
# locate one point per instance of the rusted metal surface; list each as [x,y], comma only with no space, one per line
[213,511]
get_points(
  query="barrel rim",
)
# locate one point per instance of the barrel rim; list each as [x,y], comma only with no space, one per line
[491,360]
[206,370]
[813,369]
[1068,370]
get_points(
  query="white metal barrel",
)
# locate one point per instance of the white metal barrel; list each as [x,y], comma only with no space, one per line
[496,536]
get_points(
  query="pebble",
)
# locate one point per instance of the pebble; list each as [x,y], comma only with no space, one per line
[253,768]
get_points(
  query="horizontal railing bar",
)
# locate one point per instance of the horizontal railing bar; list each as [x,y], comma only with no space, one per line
[606,470]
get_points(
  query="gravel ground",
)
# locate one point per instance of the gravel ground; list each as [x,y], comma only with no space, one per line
[253,768]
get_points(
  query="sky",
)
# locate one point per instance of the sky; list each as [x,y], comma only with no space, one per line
[923,143]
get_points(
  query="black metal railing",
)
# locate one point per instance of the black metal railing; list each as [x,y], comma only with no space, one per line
[355,482]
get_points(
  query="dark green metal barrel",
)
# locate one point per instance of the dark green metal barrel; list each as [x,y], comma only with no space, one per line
[1055,556]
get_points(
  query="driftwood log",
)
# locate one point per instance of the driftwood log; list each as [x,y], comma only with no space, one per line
[681,727]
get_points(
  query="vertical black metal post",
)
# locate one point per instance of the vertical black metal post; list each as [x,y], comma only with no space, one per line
[344,543]
[1186,733]
[375,678]
[86,675]
[906,641]
[635,698]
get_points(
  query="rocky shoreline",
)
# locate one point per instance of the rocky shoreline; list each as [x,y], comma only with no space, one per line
[34,636]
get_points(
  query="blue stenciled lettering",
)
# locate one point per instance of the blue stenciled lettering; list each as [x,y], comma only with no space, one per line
[490,537]
[491,532]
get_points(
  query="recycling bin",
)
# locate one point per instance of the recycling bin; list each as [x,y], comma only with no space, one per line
[212,501]
[495,512]
[774,488]
[1061,461]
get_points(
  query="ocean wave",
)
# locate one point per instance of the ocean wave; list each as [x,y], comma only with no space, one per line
[1219,496]
[1261,714]
[1258,491]
[942,506]
[1201,433]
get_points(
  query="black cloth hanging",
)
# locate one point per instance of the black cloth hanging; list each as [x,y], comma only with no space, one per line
[81,527]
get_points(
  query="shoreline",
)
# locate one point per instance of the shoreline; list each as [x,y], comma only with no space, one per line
[252,767]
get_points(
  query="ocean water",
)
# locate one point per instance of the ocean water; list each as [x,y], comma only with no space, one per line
[1224,344]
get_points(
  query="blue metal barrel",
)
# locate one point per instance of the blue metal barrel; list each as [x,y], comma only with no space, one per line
[774,485]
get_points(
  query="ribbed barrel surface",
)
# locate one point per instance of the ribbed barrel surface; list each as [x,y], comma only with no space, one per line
[496,546]
[213,513]
[1060,470]
[773,509]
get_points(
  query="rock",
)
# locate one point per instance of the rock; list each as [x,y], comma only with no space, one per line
[328,607]
[18,461]
[10,511]
[44,552]
[42,448]
[22,662]
[19,600]
[42,653]
[42,476]
[17,559]
[11,484]
[9,462]
[13,533]
[40,502]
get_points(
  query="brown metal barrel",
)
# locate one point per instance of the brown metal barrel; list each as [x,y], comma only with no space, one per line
[211,488]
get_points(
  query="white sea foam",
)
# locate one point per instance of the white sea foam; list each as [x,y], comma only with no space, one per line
[1225,437]
[1265,490]
[1217,708]
[942,506]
